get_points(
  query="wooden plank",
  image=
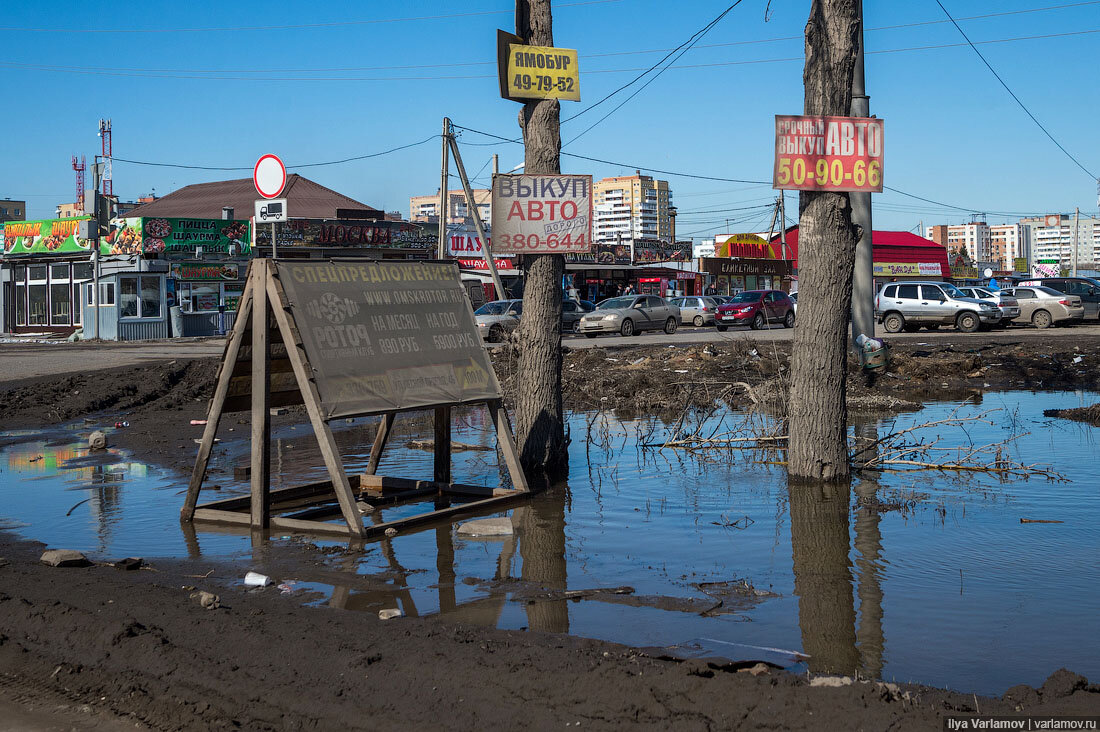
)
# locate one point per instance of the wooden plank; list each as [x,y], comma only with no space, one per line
[280,496]
[243,403]
[277,366]
[261,394]
[217,407]
[316,527]
[487,505]
[242,385]
[507,444]
[442,463]
[325,440]
[380,438]
[222,517]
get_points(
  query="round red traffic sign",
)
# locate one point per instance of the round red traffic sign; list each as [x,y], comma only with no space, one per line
[269,175]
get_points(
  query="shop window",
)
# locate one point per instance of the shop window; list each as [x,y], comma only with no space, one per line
[20,303]
[37,272]
[83,271]
[107,293]
[139,297]
[36,305]
[59,303]
[59,272]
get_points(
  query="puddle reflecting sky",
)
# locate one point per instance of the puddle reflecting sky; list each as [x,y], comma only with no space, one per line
[951,590]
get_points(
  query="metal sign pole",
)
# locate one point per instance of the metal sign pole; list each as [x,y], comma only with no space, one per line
[274,250]
[472,206]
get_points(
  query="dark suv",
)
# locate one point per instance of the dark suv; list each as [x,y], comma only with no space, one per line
[1085,288]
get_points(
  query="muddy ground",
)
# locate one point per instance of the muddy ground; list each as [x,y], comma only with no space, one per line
[135,645]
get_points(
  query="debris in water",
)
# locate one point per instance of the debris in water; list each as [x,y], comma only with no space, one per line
[97,440]
[255,579]
[389,613]
[487,527]
[1040,521]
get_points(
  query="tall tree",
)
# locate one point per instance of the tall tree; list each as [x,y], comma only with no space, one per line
[826,248]
[540,426]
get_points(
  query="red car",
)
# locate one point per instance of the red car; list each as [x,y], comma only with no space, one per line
[756,309]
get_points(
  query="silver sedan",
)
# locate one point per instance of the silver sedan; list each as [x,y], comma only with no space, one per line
[498,318]
[631,315]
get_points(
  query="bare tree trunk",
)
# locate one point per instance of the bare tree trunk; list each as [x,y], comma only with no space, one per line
[540,426]
[826,248]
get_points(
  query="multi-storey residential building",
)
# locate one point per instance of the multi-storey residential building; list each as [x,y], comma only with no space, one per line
[425,209]
[1051,239]
[1007,243]
[12,210]
[973,238]
[631,207]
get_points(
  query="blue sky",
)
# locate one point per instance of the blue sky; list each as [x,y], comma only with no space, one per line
[336,90]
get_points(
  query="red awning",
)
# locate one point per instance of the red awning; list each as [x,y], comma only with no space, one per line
[901,247]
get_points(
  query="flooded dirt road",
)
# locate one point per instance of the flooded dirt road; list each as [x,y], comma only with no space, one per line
[927,577]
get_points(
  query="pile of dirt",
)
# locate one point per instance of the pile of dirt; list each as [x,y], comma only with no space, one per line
[138,645]
[1089,414]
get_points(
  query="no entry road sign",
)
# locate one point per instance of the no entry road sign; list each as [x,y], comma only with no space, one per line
[269,175]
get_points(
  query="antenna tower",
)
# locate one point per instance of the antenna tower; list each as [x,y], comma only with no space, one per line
[79,168]
[105,134]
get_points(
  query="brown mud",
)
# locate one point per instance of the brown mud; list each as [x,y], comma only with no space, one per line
[135,645]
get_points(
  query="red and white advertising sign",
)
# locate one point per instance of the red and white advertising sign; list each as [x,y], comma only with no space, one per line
[269,175]
[462,242]
[499,262]
[828,153]
[542,214]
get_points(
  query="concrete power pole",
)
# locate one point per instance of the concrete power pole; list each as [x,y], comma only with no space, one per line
[540,425]
[863,277]
[441,249]
[1076,220]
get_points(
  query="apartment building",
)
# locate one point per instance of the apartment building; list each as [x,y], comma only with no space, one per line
[1051,238]
[425,209]
[973,238]
[12,210]
[1008,243]
[631,207]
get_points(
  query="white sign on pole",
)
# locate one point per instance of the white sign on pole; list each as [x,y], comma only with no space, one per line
[269,175]
[542,214]
[271,211]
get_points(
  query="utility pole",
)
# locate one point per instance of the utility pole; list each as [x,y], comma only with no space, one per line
[863,278]
[783,221]
[540,424]
[97,202]
[476,215]
[441,249]
[1076,219]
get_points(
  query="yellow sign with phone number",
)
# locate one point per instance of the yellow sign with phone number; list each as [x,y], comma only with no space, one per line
[542,72]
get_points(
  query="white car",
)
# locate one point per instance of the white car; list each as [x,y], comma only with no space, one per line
[1010,306]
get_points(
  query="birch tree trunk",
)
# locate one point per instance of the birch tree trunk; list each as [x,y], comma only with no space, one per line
[826,248]
[540,427]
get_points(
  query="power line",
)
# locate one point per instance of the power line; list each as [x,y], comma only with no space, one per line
[687,45]
[1013,94]
[152,74]
[294,26]
[289,167]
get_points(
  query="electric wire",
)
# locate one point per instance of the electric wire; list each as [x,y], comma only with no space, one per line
[1013,94]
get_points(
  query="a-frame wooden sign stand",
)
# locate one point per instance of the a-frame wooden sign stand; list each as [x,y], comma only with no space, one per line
[267,363]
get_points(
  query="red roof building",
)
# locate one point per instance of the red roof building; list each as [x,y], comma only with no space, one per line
[891,248]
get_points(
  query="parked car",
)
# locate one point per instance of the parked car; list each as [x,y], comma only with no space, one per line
[571,312]
[794,302]
[630,315]
[1045,307]
[909,305]
[1085,288]
[1010,308]
[756,309]
[698,310]
[498,318]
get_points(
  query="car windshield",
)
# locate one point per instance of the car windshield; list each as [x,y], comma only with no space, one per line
[498,307]
[616,303]
[951,289]
[753,296]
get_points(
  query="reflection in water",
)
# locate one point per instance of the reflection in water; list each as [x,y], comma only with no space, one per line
[541,524]
[823,577]
[868,543]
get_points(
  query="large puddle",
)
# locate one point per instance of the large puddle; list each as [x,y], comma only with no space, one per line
[940,584]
